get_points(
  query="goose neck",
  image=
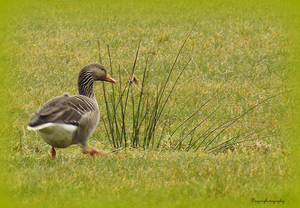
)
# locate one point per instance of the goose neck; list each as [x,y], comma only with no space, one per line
[85,84]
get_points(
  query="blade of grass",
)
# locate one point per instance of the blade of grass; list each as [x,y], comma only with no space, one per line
[193,115]
[175,61]
[239,117]
[138,115]
[179,144]
[106,131]
[98,45]
[236,138]
[132,72]
[205,136]
[161,135]
[163,106]
[123,132]
[133,114]
[113,102]
[157,112]
[152,120]
[127,95]
[247,140]
[110,122]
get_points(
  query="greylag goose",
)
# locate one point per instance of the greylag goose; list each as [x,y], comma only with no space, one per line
[66,120]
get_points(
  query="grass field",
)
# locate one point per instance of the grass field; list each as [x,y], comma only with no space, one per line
[242,50]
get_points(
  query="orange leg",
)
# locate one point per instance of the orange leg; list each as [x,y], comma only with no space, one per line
[93,152]
[53,153]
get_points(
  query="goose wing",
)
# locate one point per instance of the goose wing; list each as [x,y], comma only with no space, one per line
[63,109]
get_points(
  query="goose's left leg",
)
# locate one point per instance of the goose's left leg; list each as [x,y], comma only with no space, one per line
[93,152]
[53,153]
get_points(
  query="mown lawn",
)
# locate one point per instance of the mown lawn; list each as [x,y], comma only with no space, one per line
[242,50]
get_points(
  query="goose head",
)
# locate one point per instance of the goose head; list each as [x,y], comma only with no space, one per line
[99,73]
[89,74]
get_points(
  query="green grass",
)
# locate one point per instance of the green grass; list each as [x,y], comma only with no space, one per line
[244,50]
[138,178]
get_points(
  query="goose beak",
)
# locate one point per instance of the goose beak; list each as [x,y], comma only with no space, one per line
[108,78]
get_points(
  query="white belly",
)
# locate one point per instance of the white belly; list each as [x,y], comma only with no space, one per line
[56,134]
